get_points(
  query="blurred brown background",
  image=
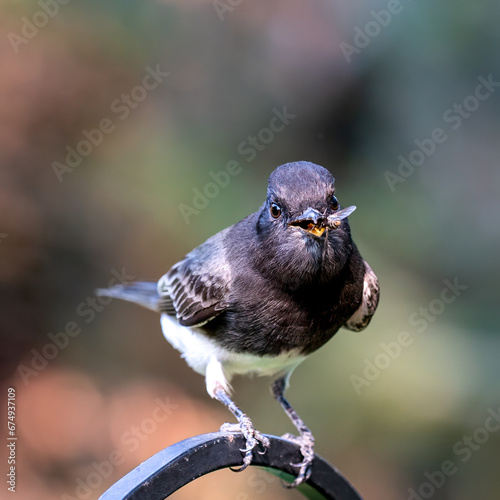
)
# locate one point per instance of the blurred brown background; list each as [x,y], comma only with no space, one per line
[101,153]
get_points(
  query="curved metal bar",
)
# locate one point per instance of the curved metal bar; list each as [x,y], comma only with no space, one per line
[179,464]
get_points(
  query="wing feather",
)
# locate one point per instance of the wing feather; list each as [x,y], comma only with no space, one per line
[371,293]
[196,289]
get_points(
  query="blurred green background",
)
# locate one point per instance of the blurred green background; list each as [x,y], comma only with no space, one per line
[367,86]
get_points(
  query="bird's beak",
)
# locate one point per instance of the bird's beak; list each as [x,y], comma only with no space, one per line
[311,221]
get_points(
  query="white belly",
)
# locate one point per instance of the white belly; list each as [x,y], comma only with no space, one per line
[204,356]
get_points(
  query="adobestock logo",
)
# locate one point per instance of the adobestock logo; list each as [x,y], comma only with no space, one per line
[88,310]
[223,6]
[363,36]
[131,440]
[121,107]
[463,450]
[419,320]
[454,118]
[201,198]
[249,148]
[31,27]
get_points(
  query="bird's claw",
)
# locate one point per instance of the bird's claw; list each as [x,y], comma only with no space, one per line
[252,438]
[306,443]
[302,477]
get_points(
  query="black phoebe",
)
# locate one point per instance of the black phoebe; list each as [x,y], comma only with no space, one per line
[263,294]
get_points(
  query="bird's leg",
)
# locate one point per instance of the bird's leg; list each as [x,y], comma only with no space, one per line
[244,425]
[305,440]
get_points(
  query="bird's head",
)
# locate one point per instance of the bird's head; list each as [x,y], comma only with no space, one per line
[303,238]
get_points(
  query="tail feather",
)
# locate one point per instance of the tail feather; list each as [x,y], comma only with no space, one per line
[144,293]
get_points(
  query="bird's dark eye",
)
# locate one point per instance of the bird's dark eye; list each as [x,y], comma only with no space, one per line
[275,210]
[334,203]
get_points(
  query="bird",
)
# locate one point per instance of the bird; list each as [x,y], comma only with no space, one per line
[263,294]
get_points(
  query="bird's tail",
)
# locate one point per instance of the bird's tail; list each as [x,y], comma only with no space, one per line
[144,293]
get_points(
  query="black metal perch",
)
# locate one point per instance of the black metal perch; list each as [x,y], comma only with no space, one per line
[179,464]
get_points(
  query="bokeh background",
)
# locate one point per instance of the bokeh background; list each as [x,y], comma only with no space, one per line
[361,82]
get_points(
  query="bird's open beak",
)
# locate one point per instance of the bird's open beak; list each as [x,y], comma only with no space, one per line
[311,221]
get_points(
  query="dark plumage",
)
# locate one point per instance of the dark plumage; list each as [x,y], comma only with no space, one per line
[264,293]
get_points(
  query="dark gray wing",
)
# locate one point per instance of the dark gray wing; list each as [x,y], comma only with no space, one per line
[196,288]
[371,292]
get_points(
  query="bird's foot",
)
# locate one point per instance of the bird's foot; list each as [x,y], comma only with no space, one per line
[252,439]
[306,443]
